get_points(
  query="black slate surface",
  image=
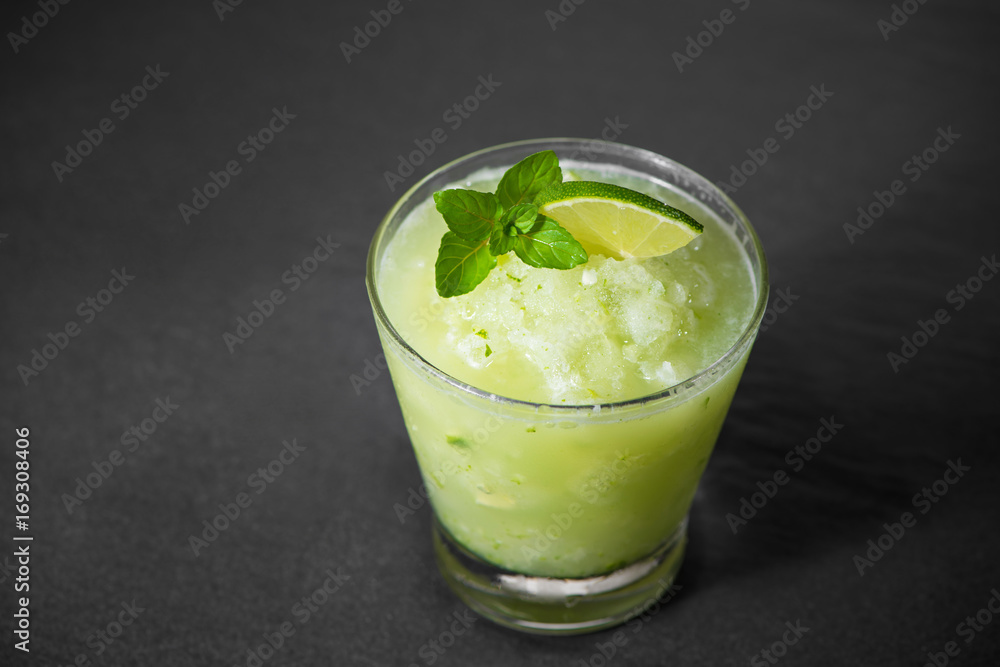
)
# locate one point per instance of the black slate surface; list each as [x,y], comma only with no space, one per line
[124,552]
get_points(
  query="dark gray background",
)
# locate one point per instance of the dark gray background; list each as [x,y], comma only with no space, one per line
[826,356]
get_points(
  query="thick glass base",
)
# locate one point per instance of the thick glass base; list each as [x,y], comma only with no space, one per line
[549,606]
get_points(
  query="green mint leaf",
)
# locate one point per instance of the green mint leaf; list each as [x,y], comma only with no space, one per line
[469,213]
[501,242]
[522,216]
[518,218]
[522,182]
[461,264]
[548,246]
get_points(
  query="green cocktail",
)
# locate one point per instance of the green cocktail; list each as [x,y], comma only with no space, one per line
[562,418]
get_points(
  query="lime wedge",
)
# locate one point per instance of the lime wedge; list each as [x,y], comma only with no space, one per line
[617,222]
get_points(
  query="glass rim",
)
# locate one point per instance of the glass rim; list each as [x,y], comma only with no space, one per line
[677,389]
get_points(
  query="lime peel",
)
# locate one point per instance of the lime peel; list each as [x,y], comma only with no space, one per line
[617,222]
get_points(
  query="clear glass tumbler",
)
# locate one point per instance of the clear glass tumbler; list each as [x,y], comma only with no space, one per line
[559,519]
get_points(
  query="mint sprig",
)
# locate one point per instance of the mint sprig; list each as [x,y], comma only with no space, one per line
[522,182]
[485,225]
[548,246]
[461,264]
[469,214]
